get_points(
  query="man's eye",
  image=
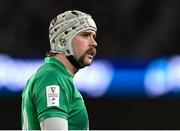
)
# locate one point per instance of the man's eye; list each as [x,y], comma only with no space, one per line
[88,35]
[94,36]
[85,34]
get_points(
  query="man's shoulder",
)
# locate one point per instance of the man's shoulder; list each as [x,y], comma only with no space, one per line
[46,75]
[49,68]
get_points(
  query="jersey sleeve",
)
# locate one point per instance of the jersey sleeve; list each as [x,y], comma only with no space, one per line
[50,97]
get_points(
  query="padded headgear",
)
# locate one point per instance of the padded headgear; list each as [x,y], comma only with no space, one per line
[64,27]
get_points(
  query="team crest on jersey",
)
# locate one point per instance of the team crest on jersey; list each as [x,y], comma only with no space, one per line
[53,89]
[52,94]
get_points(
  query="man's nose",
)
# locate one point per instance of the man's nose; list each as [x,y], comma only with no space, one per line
[93,42]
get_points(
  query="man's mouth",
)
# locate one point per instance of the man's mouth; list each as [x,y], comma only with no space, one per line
[91,52]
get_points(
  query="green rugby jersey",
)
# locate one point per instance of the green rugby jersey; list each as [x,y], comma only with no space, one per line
[50,92]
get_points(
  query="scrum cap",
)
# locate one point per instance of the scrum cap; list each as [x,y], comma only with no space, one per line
[64,27]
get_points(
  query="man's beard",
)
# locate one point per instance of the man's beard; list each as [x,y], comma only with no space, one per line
[90,51]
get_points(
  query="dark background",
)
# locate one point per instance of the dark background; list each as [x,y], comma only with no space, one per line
[126,29]
[111,114]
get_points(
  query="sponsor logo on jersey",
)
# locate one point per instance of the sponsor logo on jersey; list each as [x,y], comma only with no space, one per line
[52,94]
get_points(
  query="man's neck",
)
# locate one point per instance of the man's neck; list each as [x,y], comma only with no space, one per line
[66,63]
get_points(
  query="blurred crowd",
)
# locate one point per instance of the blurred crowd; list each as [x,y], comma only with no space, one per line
[126,28]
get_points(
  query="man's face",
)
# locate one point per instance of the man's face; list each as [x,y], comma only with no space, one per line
[83,45]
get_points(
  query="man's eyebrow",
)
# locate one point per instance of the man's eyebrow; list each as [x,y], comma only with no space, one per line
[89,32]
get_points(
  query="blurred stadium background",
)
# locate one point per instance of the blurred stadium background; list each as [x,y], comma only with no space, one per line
[134,82]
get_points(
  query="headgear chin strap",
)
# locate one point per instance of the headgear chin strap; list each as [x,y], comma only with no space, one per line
[62,30]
